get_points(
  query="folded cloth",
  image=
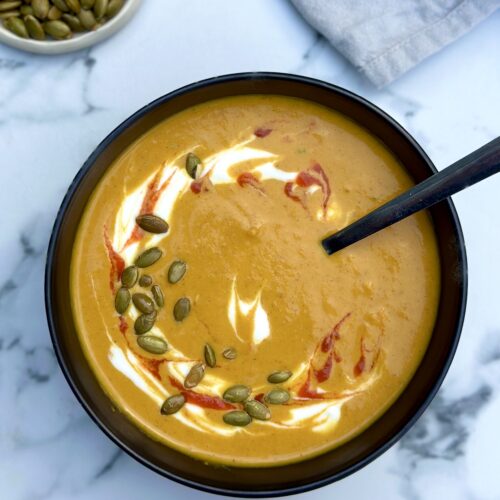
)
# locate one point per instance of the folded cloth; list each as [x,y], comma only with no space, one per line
[385,38]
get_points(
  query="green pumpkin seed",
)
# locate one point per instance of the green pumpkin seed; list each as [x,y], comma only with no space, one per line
[40,8]
[73,22]
[173,404]
[144,323]
[61,5]
[9,14]
[181,309]
[87,19]
[192,163]
[279,377]
[122,300]
[152,344]
[145,281]
[54,14]
[144,303]
[209,354]
[57,29]
[87,4]
[74,5]
[237,394]
[6,6]
[195,375]
[17,26]
[237,417]
[34,27]
[176,271]
[26,10]
[129,276]
[257,410]
[148,257]
[152,223]
[277,397]
[158,295]
[229,353]
[114,6]
[100,7]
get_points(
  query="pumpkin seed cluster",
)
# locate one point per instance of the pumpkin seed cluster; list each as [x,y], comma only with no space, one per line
[252,408]
[57,19]
[147,305]
[237,394]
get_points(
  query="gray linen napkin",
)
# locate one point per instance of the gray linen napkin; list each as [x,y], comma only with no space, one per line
[385,38]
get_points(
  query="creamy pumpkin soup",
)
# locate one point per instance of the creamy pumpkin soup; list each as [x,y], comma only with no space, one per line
[206,306]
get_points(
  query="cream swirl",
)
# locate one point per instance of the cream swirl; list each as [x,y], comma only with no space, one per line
[319,415]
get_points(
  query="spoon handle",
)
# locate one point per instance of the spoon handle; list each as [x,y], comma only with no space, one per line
[465,172]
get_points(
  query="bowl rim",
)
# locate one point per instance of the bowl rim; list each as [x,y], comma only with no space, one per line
[79,42]
[56,234]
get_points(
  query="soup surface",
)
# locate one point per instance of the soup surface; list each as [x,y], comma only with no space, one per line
[266,179]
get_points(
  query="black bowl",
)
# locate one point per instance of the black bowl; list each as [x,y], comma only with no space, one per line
[335,464]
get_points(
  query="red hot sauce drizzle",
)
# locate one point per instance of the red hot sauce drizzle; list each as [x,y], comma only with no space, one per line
[306,392]
[313,176]
[123,325]
[363,365]
[153,193]
[202,400]
[154,190]
[203,184]
[326,345]
[196,187]
[151,364]
[328,342]
[298,196]
[326,370]
[248,179]
[259,397]
[324,184]
[360,366]
[116,261]
[262,132]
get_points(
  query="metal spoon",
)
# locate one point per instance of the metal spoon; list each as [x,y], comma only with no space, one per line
[473,168]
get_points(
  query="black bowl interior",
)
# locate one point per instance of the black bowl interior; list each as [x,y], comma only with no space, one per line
[260,481]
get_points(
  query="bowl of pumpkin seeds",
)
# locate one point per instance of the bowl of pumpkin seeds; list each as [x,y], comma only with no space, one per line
[59,26]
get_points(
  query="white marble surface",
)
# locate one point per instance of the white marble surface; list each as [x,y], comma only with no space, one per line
[54,111]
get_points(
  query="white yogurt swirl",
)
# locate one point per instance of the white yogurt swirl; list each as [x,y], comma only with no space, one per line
[318,415]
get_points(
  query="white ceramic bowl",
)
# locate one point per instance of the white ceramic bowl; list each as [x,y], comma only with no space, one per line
[79,40]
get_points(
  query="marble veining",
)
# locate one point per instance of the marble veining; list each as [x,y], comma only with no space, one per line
[55,110]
